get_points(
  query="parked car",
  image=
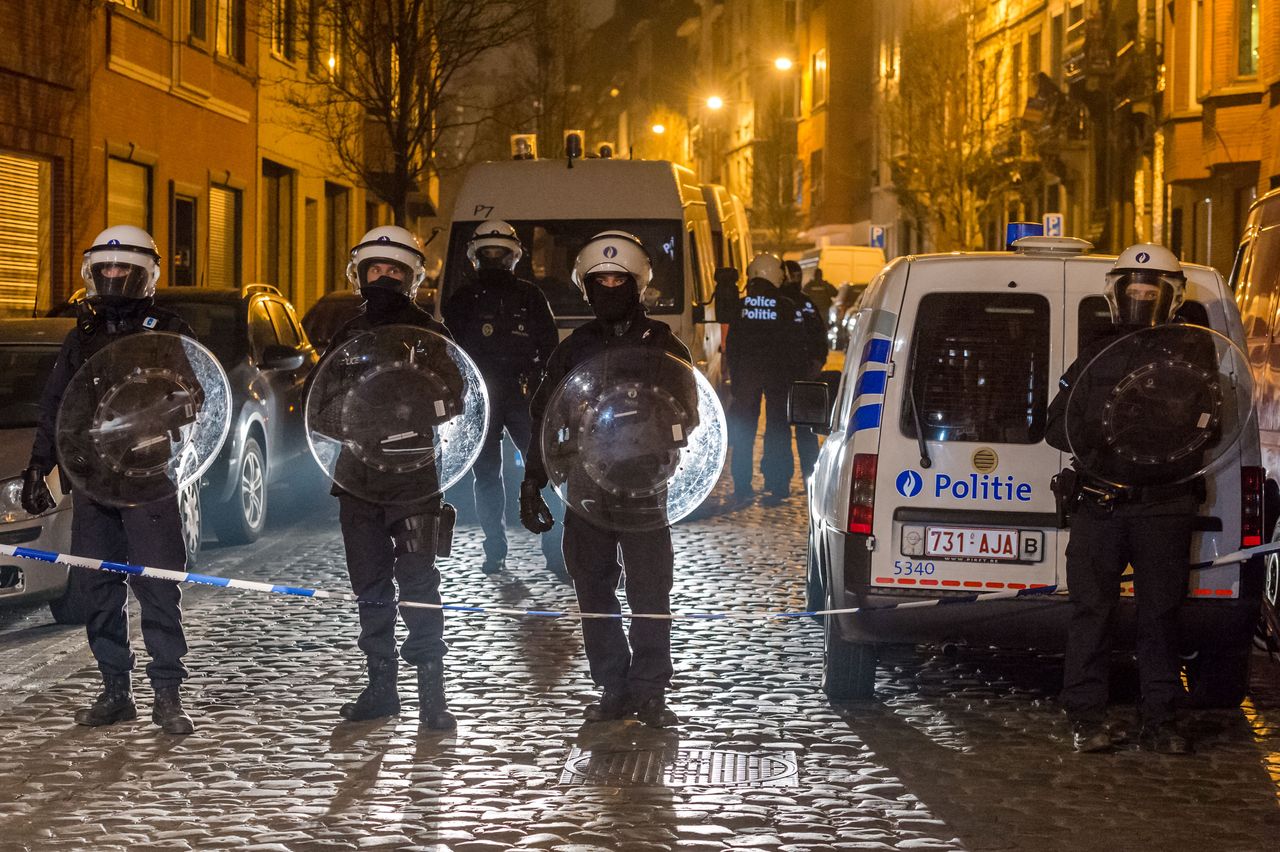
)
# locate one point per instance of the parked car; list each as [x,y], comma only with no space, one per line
[28,350]
[1255,279]
[997,330]
[844,307]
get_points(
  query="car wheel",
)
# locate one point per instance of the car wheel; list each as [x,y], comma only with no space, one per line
[848,668]
[1218,678]
[244,516]
[189,513]
[71,608]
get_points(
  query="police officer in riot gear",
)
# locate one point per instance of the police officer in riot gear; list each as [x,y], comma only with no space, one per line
[1148,526]
[764,354]
[505,325]
[120,272]
[811,358]
[395,542]
[632,670]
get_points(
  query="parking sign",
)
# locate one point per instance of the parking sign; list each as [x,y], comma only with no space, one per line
[1053,224]
[877,236]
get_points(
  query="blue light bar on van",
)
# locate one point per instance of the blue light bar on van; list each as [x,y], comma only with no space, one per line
[1018,230]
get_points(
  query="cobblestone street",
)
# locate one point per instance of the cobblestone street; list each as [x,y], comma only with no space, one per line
[962,750]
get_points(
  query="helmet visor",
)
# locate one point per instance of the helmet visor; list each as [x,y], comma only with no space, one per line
[124,280]
[1143,298]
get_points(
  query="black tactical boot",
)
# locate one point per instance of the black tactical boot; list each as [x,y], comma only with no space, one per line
[1090,737]
[168,713]
[379,698]
[1164,738]
[654,713]
[433,713]
[612,705]
[493,565]
[115,704]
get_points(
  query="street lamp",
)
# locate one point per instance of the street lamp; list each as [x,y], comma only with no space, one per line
[783,63]
[715,102]
[659,129]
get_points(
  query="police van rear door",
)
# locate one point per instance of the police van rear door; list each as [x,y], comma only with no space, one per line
[976,361]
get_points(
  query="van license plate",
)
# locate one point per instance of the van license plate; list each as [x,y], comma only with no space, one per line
[982,543]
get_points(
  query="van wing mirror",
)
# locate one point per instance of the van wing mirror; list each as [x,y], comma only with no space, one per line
[809,404]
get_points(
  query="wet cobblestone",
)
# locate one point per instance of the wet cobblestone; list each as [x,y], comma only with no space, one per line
[960,751]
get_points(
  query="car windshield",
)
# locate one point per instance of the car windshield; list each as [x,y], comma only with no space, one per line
[23,373]
[216,325]
[551,246]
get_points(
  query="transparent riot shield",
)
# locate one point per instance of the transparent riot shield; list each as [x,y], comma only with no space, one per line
[396,414]
[1159,406]
[143,418]
[633,439]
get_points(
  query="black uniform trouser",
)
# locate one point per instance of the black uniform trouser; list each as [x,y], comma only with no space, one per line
[509,410]
[643,667]
[149,535]
[380,555]
[776,462]
[1101,545]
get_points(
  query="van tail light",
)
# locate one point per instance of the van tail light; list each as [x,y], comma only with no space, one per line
[862,493]
[1251,481]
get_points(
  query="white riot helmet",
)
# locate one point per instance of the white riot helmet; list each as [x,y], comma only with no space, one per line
[389,244]
[122,262]
[613,251]
[1133,304]
[766,266]
[495,245]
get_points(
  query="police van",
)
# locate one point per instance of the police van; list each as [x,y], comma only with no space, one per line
[934,479]
[557,205]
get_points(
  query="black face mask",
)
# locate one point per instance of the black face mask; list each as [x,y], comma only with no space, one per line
[612,304]
[384,298]
[498,277]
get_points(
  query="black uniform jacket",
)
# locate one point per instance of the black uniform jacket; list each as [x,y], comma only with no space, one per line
[508,329]
[813,329]
[586,341]
[398,488]
[766,336]
[94,330]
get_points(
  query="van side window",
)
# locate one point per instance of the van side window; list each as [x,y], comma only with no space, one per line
[1093,319]
[979,368]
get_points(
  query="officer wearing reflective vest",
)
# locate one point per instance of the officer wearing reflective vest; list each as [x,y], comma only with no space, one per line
[394,541]
[764,354]
[120,272]
[632,669]
[505,324]
[1122,520]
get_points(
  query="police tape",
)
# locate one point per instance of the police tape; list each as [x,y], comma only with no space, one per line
[324,594]
[298,591]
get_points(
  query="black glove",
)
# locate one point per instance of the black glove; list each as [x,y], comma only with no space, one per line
[535,515]
[36,498]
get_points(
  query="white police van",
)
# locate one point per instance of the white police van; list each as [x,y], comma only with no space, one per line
[967,349]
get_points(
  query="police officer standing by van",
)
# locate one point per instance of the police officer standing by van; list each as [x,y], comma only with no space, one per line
[1112,526]
[120,272]
[764,355]
[505,324]
[394,540]
[633,670]
[812,356]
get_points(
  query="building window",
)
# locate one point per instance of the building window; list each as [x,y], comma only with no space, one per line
[149,8]
[819,68]
[26,223]
[182,242]
[815,179]
[282,24]
[128,194]
[337,227]
[224,236]
[277,225]
[1247,30]
[197,19]
[231,29]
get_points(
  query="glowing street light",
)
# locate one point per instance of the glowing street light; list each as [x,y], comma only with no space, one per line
[659,129]
[782,63]
[715,102]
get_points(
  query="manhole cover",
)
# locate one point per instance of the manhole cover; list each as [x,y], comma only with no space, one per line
[685,767]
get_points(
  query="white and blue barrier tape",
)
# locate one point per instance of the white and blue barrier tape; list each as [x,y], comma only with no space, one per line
[298,591]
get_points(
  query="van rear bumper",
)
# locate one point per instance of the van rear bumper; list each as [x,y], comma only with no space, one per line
[1038,622]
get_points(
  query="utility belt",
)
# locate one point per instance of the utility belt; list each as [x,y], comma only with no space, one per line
[1071,488]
